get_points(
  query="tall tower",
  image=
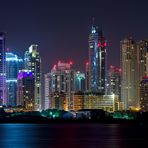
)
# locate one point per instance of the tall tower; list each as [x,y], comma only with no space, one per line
[87,76]
[25,90]
[144,94]
[47,90]
[129,76]
[2,70]
[13,65]
[114,81]
[97,61]
[61,80]
[79,81]
[33,62]
[142,47]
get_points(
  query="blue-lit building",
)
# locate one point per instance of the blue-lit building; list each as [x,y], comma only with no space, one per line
[25,90]
[79,81]
[97,61]
[2,70]
[13,65]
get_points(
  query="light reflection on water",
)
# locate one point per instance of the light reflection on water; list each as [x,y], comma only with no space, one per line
[72,135]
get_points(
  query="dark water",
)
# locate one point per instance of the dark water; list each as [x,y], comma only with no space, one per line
[73,136]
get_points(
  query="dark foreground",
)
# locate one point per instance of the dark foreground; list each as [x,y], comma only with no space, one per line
[73,135]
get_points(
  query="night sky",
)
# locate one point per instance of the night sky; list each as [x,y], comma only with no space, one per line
[61,27]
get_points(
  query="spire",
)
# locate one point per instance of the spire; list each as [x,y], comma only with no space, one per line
[94,28]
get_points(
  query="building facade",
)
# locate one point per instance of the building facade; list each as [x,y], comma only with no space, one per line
[32,62]
[13,65]
[144,94]
[114,81]
[97,61]
[142,47]
[130,76]
[3,99]
[79,81]
[62,80]
[47,90]
[58,100]
[83,100]
[25,90]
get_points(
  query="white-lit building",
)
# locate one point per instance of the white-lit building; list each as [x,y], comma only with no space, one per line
[32,62]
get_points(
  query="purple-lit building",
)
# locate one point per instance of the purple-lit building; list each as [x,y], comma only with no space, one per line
[25,89]
[2,70]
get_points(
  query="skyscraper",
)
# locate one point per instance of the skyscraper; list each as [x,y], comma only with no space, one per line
[130,73]
[60,79]
[33,62]
[114,81]
[2,70]
[97,60]
[47,90]
[25,90]
[144,94]
[13,65]
[87,76]
[142,48]
[79,81]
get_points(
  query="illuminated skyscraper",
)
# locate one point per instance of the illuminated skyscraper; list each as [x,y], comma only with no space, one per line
[13,65]
[33,62]
[142,47]
[2,70]
[25,90]
[130,73]
[97,61]
[60,79]
[47,90]
[63,80]
[114,81]
[87,76]
[144,94]
[79,81]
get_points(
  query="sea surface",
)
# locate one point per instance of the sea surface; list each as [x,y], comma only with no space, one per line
[73,135]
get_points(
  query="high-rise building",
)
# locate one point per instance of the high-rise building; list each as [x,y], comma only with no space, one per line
[47,89]
[114,81]
[130,75]
[2,70]
[25,90]
[33,62]
[97,61]
[87,76]
[144,94]
[79,81]
[142,47]
[63,80]
[13,65]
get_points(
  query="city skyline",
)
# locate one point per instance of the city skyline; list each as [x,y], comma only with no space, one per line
[65,34]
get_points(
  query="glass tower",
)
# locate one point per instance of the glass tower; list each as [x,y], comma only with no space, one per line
[2,70]
[33,62]
[13,65]
[97,61]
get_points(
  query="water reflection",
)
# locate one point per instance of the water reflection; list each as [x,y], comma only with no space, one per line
[72,136]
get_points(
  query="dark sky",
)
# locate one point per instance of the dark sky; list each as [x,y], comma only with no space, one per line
[61,27]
